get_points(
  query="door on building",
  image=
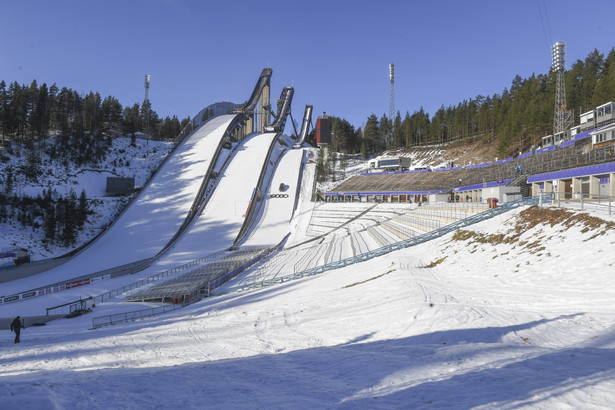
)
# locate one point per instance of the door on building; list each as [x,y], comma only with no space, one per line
[567,188]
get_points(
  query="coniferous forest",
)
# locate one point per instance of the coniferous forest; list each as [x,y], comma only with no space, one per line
[514,119]
[32,112]
[84,125]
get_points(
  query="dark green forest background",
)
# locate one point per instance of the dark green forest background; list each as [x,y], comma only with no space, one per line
[516,118]
[30,112]
[513,120]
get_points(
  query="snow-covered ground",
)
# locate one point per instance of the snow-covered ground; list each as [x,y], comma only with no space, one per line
[512,312]
[124,159]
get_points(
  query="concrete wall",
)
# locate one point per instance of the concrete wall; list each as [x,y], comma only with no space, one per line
[498,192]
[433,198]
[29,269]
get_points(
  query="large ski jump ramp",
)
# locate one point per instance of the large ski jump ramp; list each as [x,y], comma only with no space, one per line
[278,205]
[151,221]
[220,222]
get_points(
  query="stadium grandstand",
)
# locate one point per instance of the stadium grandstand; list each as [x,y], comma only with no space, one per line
[524,174]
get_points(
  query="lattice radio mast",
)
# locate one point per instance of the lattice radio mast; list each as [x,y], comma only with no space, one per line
[392,101]
[146,104]
[562,119]
[391,104]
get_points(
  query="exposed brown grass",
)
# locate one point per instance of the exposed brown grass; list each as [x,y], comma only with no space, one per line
[370,279]
[434,263]
[531,218]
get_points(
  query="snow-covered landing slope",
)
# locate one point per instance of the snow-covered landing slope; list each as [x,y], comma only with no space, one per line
[151,221]
[219,223]
[278,203]
[215,229]
[480,319]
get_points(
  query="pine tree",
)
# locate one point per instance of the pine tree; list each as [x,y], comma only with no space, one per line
[69,228]
[32,168]
[398,137]
[49,223]
[82,209]
[371,135]
[320,166]
[9,180]
[4,106]
[132,122]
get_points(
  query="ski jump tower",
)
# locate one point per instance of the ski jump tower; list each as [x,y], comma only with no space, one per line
[264,108]
[256,119]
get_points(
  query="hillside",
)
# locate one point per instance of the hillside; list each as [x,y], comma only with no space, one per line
[499,315]
[461,152]
[124,158]
[511,312]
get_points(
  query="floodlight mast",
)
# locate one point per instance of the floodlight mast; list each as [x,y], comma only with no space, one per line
[562,119]
[392,100]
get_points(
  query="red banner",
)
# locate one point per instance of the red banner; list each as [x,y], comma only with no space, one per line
[82,282]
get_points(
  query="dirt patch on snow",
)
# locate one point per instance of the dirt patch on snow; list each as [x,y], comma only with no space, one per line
[532,218]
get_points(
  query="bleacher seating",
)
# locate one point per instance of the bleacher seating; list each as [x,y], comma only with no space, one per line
[177,289]
[426,181]
[572,156]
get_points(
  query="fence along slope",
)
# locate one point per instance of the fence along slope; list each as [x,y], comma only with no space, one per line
[490,213]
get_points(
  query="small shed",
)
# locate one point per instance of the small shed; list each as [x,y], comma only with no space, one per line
[501,193]
[120,186]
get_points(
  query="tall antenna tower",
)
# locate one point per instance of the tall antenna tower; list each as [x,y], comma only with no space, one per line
[392,100]
[562,119]
[146,104]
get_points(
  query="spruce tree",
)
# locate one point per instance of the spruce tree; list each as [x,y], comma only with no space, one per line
[82,209]
[49,223]
[9,180]
[69,233]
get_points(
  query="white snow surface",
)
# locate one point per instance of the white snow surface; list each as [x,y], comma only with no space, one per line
[149,223]
[492,325]
[219,224]
[279,203]
[124,159]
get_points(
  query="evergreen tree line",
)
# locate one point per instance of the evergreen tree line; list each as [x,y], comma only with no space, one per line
[516,118]
[60,217]
[33,112]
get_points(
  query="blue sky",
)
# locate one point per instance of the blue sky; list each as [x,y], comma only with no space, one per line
[335,53]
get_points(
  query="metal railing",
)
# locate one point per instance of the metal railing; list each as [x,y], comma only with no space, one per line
[489,213]
[132,316]
[595,203]
[92,300]
[193,297]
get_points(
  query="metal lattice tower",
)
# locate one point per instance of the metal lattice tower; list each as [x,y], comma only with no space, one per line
[146,104]
[562,119]
[392,101]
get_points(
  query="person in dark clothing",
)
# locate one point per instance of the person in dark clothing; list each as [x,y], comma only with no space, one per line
[16,327]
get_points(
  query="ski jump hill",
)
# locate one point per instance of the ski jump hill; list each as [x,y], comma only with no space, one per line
[218,191]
